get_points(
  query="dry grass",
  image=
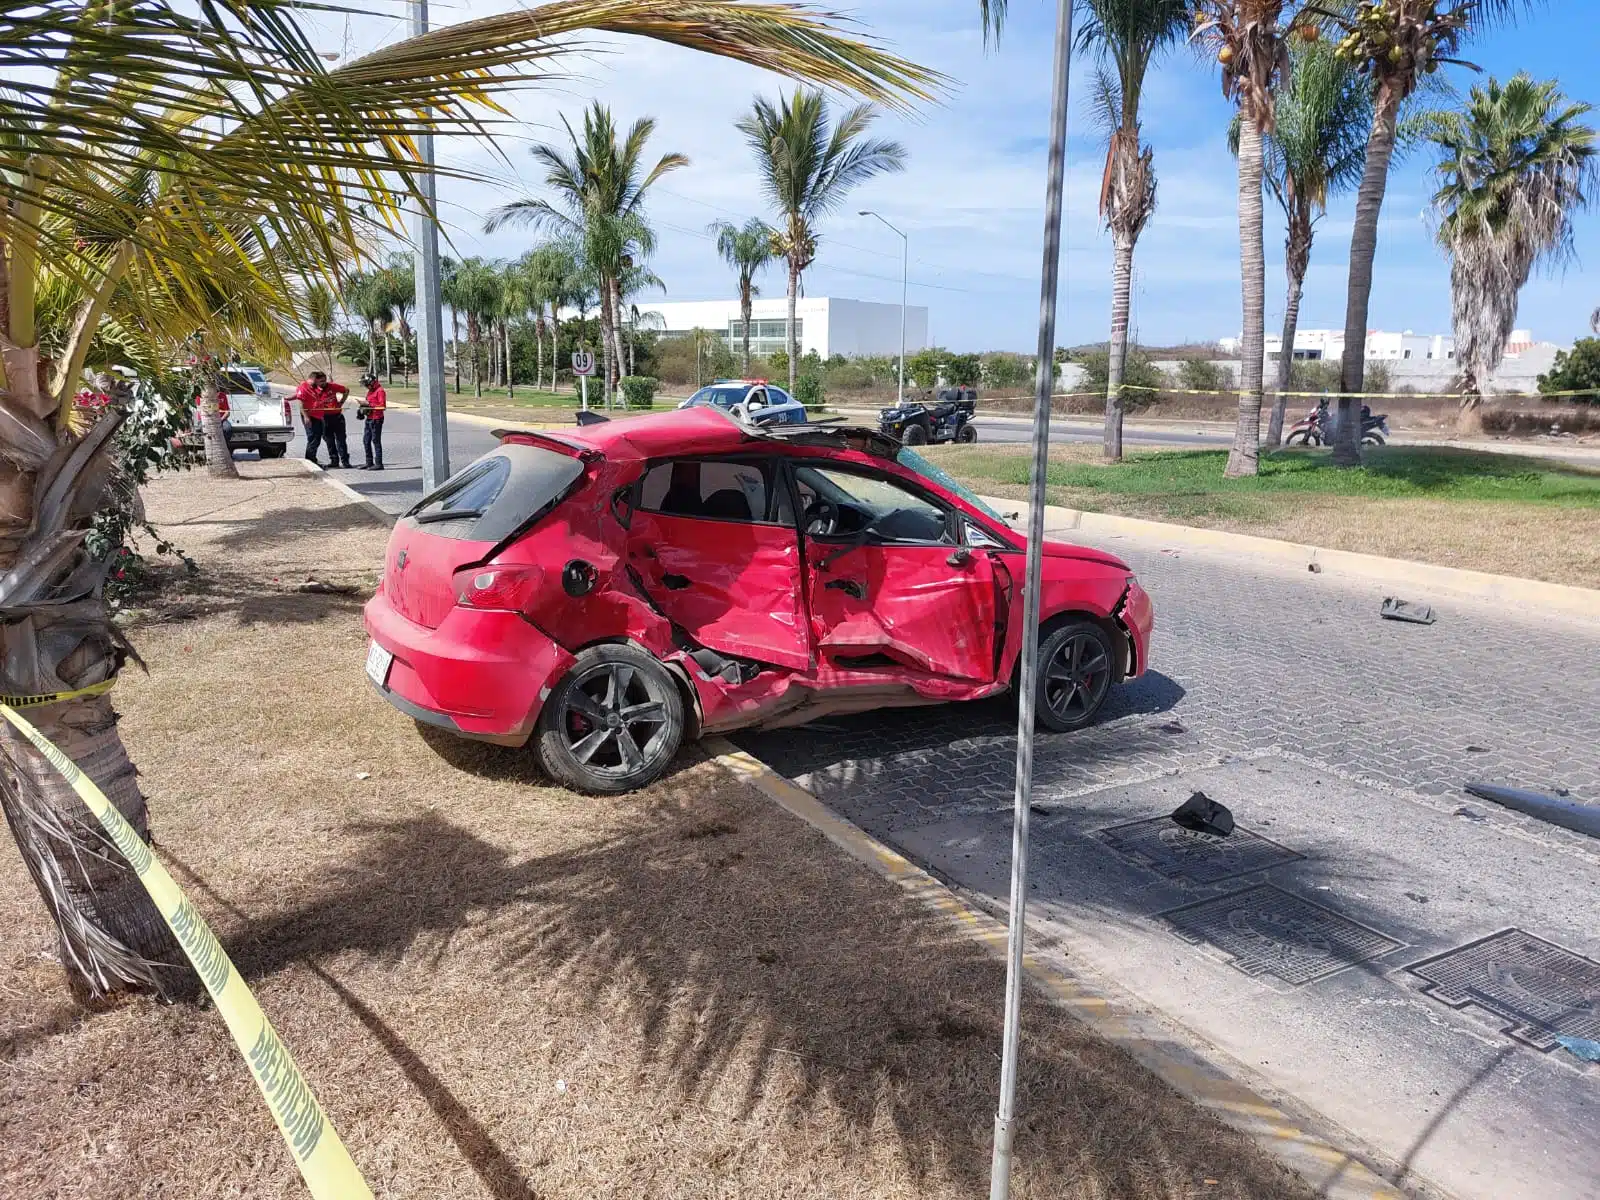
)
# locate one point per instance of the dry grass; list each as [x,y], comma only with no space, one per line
[501,989]
[1532,540]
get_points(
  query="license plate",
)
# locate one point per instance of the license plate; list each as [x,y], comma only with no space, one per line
[278,437]
[379,661]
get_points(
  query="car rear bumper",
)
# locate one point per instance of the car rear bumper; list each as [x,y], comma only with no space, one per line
[481,674]
[259,435]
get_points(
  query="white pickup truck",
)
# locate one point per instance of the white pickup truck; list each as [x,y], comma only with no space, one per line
[252,417]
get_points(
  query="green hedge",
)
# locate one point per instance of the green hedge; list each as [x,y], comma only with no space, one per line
[638,391]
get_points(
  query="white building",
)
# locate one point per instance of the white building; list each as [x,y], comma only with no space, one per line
[825,324]
[1382,345]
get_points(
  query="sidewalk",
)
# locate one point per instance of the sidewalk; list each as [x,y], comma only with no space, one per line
[500,989]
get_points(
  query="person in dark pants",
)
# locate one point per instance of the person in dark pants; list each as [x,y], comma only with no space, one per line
[317,397]
[371,412]
[333,426]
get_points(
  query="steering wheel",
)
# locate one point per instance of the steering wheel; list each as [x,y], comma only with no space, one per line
[822,517]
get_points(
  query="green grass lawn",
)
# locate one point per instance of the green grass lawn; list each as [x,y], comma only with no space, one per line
[1189,482]
[1507,514]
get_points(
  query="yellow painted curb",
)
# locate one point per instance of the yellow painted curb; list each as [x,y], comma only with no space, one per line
[1531,594]
[1337,1174]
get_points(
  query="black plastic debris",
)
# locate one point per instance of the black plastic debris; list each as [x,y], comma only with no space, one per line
[589,417]
[1580,818]
[1396,609]
[1173,727]
[1201,814]
[1314,567]
[1477,749]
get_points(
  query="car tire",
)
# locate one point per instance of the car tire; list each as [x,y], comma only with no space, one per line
[915,435]
[1077,666]
[608,681]
[273,451]
[968,435]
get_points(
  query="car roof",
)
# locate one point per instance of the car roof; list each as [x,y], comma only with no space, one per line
[704,430]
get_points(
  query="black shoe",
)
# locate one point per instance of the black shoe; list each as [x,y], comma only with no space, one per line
[346,465]
[379,467]
[364,467]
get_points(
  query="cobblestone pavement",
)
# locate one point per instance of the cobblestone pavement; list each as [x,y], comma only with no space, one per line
[1248,658]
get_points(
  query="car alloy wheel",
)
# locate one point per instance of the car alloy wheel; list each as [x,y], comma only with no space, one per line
[1077,665]
[614,723]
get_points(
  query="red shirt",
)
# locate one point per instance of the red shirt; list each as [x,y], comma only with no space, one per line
[318,401]
[377,400]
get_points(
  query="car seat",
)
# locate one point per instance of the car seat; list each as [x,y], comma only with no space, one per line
[729,504]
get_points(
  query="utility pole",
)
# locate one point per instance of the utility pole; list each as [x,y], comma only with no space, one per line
[1044,386]
[430,327]
[905,275]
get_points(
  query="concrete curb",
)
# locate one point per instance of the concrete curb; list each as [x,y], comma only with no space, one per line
[1336,1174]
[367,507]
[1398,572]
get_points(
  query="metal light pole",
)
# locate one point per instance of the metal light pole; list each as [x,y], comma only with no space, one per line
[430,322]
[1044,385]
[905,273]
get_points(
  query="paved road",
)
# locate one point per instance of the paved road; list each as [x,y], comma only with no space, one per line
[1372,942]
[400,484]
[1302,946]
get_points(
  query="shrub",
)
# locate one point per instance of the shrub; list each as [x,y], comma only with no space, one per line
[808,390]
[1002,370]
[1138,373]
[1576,369]
[1573,417]
[778,364]
[638,391]
[1198,375]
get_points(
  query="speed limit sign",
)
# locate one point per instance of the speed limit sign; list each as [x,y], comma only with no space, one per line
[582,362]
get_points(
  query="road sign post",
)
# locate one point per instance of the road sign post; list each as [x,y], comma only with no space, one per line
[583,367]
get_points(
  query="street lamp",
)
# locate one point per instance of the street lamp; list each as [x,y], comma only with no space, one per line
[905,266]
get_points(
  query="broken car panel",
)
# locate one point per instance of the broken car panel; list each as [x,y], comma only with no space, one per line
[610,590]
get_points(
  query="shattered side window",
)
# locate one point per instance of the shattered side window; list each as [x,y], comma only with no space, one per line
[913,461]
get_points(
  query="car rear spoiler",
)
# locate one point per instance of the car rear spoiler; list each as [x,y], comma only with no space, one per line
[543,437]
[586,417]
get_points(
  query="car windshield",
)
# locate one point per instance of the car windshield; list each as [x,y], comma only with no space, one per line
[913,461]
[722,397]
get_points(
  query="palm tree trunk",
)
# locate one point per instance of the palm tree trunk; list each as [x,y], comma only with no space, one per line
[511,383]
[744,315]
[1244,458]
[372,346]
[1296,258]
[475,341]
[616,333]
[1363,248]
[455,343]
[388,361]
[112,937]
[1116,359]
[794,343]
[219,459]
[405,353]
[605,342]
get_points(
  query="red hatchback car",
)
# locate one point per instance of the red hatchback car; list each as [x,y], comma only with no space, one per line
[615,589]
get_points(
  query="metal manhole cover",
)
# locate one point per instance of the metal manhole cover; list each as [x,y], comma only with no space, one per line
[1179,853]
[1268,931]
[1542,991]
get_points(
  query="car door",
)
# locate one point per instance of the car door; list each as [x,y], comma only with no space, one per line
[888,580]
[712,542]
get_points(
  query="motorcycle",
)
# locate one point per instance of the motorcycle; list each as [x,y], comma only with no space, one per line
[1314,429]
[949,419]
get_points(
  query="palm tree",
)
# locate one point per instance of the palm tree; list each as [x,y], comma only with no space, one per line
[746,250]
[399,283]
[1513,170]
[322,317]
[600,186]
[1398,44]
[1125,36]
[1253,52]
[364,293]
[807,170]
[475,292]
[1324,109]
[165,170]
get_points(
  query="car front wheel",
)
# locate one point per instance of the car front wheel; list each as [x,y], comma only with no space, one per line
[1077,665]
[613,723]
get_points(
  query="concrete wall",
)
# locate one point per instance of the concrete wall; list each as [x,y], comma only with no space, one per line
[828,325]
[857,327]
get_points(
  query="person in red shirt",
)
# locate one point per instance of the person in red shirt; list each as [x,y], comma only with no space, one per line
[371,411]
[320,399]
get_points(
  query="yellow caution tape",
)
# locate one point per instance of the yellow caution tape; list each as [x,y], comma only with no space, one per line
[94,689]
[324,1163]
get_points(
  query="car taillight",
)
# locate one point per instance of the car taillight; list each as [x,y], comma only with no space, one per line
[508,589]
[288,419]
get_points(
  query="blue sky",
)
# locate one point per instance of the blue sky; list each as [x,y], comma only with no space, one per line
[972,196]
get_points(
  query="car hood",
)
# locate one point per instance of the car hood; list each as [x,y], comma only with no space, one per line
[1054,549]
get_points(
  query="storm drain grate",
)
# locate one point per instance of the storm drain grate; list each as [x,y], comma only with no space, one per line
[1540,990]
[1268,931]
[1179,853]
